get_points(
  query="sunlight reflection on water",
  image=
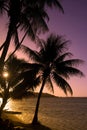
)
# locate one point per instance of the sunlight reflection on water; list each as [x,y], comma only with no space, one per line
[25,106]
[56,113]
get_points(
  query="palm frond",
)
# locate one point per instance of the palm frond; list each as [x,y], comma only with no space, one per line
[49,49]
[16,37]
[39,24]
[67,71]
[30,53]
[37,17]
[30,66]
[3,6]
[33,20]
[15,81]
[62,47]
[58,43]
[21,95]
[62,57]
[27,77]
[14,62]
[51,3]
[71,62]
[26,26]
[73,71]
[62,83]
[30,81]
[24,92]
[57,3]
[53,48]
[49,85]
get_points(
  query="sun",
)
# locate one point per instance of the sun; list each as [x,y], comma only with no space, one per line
[5,74]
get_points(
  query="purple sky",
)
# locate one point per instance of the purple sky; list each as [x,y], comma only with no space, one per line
[73,25]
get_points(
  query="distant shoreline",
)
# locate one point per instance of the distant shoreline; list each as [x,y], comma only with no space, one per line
[50,95]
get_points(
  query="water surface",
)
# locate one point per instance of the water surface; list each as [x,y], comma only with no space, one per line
[56,113]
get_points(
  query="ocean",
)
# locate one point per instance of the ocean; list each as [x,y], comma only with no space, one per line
[55,113]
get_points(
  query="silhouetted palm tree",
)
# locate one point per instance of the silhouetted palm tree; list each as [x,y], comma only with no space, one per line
[25,15]
[55,65]
[21,78]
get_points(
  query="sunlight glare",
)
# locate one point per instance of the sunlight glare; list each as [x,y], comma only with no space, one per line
[0,101]
[5,74]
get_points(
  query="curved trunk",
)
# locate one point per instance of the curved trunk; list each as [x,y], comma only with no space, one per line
[6,44]
[35,119]
[2,59]
[14,16]
[5,98]
[17,46]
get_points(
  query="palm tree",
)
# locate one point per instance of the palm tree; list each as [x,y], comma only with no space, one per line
[55,65]
[27,16]
[18,75]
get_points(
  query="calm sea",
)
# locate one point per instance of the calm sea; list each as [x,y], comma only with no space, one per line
[56,113]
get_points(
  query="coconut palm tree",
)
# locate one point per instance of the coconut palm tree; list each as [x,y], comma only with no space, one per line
[27,16]
[55,65]
[18,75]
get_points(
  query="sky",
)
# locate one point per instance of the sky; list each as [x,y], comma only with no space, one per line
[73,26]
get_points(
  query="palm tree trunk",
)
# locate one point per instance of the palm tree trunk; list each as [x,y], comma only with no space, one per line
[35,119]
[5,98]
[2,59]
[6,44]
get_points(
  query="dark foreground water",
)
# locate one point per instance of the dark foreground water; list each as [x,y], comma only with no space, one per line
[56,113]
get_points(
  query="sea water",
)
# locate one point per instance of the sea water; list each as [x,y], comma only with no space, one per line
[55,113]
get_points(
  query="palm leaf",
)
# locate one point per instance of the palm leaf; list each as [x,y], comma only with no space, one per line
[51,3]
[16,37]
[3,6]
[62,57]
[62,83]
[73,71]
[33,19]
[26,26]
[38,22]
[30,53]
[67,71]
[71,62]
[49,85]
[30,66]
[23,91]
